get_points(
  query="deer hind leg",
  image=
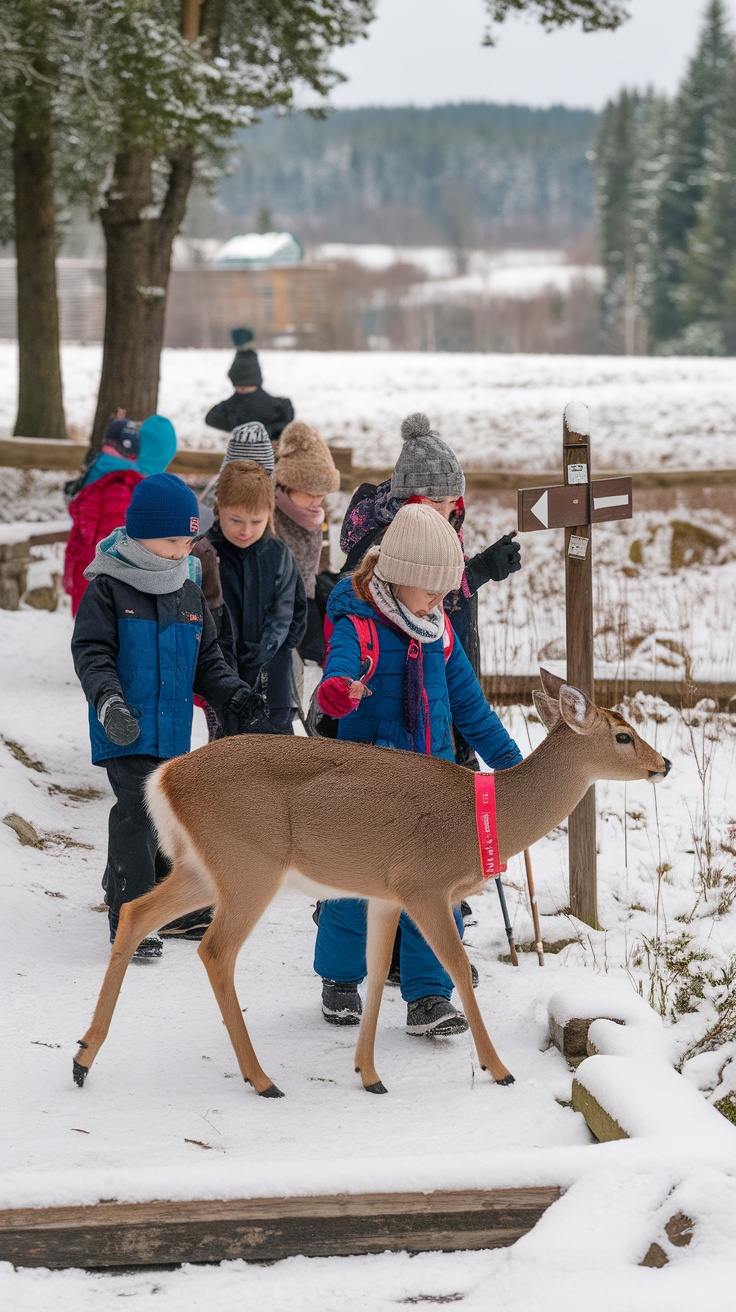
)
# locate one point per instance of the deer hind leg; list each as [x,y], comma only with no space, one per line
[383,917]
[437,923]
[185,889]
[238,912]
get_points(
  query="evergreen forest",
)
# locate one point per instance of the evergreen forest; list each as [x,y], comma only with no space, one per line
[666,205]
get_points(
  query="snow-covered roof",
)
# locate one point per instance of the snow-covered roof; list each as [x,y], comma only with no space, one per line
[260,248]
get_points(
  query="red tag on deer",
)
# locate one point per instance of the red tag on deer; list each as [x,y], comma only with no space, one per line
[485,823]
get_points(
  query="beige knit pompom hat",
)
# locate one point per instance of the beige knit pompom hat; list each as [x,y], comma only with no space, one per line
[305,463]
[421,550]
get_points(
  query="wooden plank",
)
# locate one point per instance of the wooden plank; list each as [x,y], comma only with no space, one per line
[516,689]
[45,453]
[267,1229]
[599,1121]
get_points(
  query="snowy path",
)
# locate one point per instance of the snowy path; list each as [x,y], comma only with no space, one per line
[167,1073]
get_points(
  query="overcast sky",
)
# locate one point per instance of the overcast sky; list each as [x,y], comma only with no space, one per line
[428,52]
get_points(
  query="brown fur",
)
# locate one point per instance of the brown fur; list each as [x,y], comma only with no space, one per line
[392,827]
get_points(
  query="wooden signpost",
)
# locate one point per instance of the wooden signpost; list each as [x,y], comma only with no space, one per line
[575,506]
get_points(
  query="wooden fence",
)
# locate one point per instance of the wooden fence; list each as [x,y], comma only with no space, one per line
[45,453]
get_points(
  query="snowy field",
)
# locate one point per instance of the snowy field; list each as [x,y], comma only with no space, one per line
[496,411]
[165,1114]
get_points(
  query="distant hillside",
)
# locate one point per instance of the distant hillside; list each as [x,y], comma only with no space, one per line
[455,174]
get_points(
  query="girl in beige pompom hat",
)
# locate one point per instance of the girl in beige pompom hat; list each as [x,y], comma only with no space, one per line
[305,473]
[421,683]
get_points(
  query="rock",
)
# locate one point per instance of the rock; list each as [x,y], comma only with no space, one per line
[654,1256]
[679,1230]
[44,598]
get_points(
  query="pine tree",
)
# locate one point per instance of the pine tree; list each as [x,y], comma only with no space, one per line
[709,291]
[627,170]
[688,148]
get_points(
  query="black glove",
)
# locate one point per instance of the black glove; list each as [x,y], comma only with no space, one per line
[496,562]
[120,725]
[247,707]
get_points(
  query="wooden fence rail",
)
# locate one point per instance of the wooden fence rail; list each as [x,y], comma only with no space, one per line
[267,1229]
[45,453]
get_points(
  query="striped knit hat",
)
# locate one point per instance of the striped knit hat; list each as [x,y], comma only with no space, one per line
[250,442]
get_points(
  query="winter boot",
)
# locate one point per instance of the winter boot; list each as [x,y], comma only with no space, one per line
[149,948]
[341,1004]
[432,1016]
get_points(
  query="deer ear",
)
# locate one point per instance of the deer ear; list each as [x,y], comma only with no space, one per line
[547,710]
[576,709]
[551,683]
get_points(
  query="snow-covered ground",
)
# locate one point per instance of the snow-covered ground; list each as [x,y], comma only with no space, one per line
[165,1114]
[496,411]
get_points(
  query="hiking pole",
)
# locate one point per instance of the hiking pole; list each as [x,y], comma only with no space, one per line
[506,921]
[533,901]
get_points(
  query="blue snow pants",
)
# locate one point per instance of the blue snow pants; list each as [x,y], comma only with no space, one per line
[339,952]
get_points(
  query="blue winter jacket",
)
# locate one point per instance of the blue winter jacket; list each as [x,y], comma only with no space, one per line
[154,652]
[453,692]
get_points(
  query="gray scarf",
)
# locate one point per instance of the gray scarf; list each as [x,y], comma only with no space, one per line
[124,558]
[428,628]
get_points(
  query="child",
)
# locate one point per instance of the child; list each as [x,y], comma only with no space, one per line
[143,640]
[248,442]
[427,470]
[305,472]
[422,683]
[128,454]
[264,602]
[249,401]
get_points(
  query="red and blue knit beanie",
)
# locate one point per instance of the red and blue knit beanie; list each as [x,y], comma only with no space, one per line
[162,506]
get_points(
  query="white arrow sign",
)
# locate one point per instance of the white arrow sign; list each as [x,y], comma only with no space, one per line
[540,510]
[602,503]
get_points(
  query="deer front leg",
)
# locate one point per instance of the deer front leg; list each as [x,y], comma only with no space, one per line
[437,923]
[240,905]
[383,917]
[181,892]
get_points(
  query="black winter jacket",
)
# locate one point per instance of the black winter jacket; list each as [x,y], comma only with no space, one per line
[267,610]
[154,652]
[274,412]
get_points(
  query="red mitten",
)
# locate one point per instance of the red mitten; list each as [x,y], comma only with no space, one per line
[333,697]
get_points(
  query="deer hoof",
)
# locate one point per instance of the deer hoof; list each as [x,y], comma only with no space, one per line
[271,1092]
[79,1072]
[378,1087]
[507,1079]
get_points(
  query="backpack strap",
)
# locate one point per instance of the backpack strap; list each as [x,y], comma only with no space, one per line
[448,639]
[367,639]
[369,649]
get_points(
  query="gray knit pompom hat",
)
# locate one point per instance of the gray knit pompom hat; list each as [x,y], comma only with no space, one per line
[420,550]
[426,466]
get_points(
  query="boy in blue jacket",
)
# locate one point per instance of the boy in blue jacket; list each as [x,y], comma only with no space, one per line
[422,683]
[143,643]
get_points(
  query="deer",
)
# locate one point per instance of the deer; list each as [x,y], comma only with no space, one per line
[344,819]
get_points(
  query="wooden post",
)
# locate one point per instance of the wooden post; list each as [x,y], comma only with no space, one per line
[579,634]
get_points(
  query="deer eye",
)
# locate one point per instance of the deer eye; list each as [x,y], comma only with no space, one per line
[623,738]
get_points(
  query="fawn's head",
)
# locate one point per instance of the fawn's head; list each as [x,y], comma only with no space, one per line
[614,749]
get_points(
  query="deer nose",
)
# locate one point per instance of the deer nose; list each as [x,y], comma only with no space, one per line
[661,774]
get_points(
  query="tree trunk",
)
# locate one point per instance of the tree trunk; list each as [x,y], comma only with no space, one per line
[137,278]
[40,404]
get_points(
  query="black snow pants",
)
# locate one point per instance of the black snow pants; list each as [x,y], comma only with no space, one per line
[134,863]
